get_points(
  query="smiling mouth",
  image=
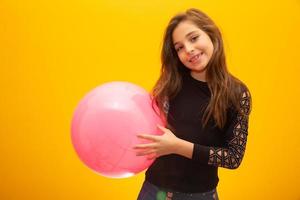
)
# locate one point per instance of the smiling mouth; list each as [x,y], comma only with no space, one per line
[195,58]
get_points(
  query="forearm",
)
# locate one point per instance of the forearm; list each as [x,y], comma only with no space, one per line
[220,157]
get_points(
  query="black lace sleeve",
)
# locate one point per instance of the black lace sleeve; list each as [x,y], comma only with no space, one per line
[236,138]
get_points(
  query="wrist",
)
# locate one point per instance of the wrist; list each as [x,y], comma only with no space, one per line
[177,144]
[184,148]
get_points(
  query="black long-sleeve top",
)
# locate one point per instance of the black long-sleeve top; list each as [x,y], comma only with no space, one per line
[213,147]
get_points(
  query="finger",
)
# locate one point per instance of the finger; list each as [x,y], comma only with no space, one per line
[148,137]
[144,146]
[162,128]
[144,153]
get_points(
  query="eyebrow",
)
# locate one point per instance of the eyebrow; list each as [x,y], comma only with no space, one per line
[187,35]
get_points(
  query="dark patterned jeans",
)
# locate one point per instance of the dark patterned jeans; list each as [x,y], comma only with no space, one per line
[152,192]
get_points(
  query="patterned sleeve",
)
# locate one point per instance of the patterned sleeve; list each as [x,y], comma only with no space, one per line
[236,137]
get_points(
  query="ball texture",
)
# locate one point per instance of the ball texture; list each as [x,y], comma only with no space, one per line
[105,125]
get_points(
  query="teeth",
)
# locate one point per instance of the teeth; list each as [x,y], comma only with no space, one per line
[194,58]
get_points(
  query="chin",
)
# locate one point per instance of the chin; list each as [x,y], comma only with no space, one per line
[198,69]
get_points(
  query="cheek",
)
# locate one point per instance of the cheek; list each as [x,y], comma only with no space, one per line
[211,50]
[207,44]
[181,57]
[211,47]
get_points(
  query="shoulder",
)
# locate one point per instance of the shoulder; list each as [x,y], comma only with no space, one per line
[239,88]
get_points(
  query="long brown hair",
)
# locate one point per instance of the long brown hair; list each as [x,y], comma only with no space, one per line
[225,89]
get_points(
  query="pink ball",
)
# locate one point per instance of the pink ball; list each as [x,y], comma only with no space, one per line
[105,125]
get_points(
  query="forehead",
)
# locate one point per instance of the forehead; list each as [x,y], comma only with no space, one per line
[183,29]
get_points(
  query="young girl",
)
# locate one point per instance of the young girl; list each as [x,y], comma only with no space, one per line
[206,111]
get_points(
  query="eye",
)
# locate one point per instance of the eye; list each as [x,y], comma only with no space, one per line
[178,48]
[193,39]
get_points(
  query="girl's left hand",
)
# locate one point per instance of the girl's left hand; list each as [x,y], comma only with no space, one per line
[161,144]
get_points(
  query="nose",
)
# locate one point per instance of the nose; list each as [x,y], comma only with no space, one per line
[189,48]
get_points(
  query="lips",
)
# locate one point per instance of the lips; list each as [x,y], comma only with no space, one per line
[195,58]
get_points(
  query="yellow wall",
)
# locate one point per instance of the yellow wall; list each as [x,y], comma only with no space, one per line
[53,52]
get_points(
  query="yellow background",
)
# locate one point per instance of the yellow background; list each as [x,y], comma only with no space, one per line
[53,52]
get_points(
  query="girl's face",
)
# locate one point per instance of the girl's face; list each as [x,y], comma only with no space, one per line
[193,46]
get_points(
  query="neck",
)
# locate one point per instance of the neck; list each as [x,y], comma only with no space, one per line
[200,76]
